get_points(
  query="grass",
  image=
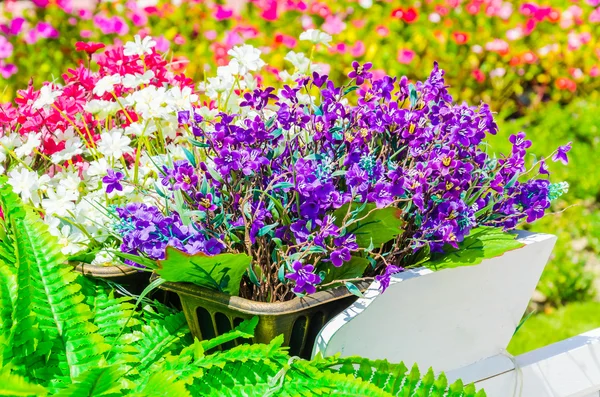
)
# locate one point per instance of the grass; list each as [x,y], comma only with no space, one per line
[544,329]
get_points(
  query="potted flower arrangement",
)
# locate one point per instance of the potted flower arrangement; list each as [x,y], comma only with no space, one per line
[288,201]
[58,142]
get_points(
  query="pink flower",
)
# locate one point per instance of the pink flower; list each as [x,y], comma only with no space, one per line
[46,30]
[139,19]
[358,49]
[210,34]
[222,13]
[162,44]
[6,48]
[269,12]
[85,34]
[15,27]
[333,25]
[120,27]
[179,39]
[497,45]
[595,71]
[284,39]
[405,56]
[382,31]
[593,3]
[595,16]
[7,69]
[85,14]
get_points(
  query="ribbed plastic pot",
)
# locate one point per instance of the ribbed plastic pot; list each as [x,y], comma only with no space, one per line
[134,280]
[210,313]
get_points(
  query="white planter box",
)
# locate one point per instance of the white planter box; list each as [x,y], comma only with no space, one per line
[446,319]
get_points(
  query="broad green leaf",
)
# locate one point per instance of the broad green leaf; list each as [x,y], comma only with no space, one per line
[222,272]
[482,243]
[354,268]
[379,226]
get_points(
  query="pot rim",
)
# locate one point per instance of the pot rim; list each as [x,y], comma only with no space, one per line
[251,307]
[113,271]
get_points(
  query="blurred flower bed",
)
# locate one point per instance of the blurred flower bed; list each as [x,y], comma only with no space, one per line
[536,64]
[512,55]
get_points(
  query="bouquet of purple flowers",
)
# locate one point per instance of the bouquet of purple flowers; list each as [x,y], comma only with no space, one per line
[318,185]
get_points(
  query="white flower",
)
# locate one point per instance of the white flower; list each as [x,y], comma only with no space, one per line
[69,238]
[245,58]
[26,184]
[70,180]
[299,60]
[106,84]
[73,147]
[365,3]
[46,98]
[133,81]
[102,109]
[103,257]
[7,143]
[59,201]
[139,46]
[97,168]
[316,36]
[114,144]
[183,98]
[33,141]
[139,129]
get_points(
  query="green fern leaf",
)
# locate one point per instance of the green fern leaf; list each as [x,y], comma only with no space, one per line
[15,385]
[96,382]
[163,384]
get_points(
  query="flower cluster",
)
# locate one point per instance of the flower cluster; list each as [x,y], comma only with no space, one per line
[74,149]
[146,231]
[529,51]
[314,180]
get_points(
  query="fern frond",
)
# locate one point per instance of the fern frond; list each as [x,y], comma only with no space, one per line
[8,298]
[16,385]
[159,337]
[47,288]
[96,382]
[163,384]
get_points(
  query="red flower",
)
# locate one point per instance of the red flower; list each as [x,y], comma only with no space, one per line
[89,47]
[410,15]
[398,13]
[479,75]
[460,37]
[564,83]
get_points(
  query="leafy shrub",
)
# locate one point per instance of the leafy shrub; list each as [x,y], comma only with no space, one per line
[65,336]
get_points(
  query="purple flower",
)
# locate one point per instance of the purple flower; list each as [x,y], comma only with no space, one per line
[561,154]
[338,257]
[544,168]
[183,117]
[361,72]
[519,142]
[384,279]
[304,278]
[112,181]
